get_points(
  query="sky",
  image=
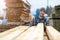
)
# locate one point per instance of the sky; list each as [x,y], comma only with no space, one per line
[2,4]
[42,3]
[34,4]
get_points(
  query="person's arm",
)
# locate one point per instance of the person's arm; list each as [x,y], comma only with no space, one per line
[32,22]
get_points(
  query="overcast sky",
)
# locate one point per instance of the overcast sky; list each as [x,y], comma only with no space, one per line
[42,3]
[35,4]
[2,4]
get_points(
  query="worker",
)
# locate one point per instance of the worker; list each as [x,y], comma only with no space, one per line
[40,19]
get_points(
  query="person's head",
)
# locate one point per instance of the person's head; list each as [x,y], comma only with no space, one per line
[42,12]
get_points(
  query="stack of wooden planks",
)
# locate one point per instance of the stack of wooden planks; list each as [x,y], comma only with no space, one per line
[7,26]
[17,10]
[53,33]
[56,16]
[24,33]
[30,33]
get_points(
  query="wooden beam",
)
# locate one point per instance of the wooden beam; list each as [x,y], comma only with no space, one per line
[53,33]
[14,4]
[33,33]
[11,30]
[13,34]
[8,31]
[13,1]
[40,28]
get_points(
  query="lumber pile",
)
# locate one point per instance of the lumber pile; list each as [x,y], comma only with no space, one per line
[10,25]
[30,33]
[5,27]
[56,24]
[56,21]
[24,33]
[53,33]
[12,33]
[17,11]
[33,33]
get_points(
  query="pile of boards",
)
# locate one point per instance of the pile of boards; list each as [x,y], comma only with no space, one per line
[17,10]
[56,16]
[23,33]
[30,33]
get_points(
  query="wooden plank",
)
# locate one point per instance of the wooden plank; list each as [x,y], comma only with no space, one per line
[14,4]
[17,1]
[17,10]
[13,0]
[27,7]
[45,38]
[53,33]
[33,33]
[14,34]
[11,30]
[40,28]
[8,31]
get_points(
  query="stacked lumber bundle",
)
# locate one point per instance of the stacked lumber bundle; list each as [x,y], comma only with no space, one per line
[57,12]
[5,27]
[53,33]
[30,33]
[17,10]
[56,22]
[56,15]
[10,34]
[24,33]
